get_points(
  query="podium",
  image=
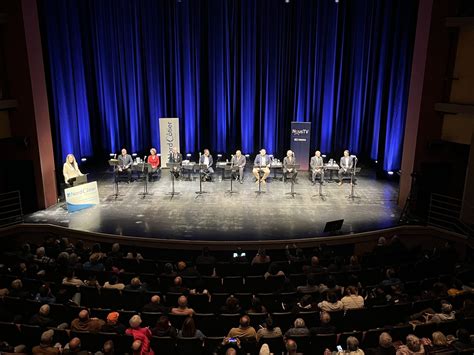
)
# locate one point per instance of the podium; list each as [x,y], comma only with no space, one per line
[201,168]
[114,163]
[172,193]
[144,168]
[232,169]
[292,192]
[259,191]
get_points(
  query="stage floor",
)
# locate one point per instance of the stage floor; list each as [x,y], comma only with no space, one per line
[242,216]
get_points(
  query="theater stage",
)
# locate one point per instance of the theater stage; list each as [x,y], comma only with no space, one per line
[242,216]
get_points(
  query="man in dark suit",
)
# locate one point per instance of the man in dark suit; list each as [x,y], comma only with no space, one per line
[125,164]
[288,161]
[317,166]
[262,163]
[206,159]
[239,160]
[346,165]
[176,157]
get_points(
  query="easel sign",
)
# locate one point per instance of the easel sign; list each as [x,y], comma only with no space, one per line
[82,196]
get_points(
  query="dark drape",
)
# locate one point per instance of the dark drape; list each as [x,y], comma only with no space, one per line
[236,73]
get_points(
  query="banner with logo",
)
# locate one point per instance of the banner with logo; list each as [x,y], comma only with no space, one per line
[82,196]
[300,140]
[169,137]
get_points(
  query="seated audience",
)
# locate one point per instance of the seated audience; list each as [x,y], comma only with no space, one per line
[385,346]
[182,308]
[325,326]
[178,286]
[112,324]
[439,344]
[413,346]
[353,346]
[42,318]
[86,324]
[74,347]
[352,300]
[45,346]
[291,347]
[273,270]
[244,331]
[261,257]
[299,328]
[155,305]
[268,330]
[463,340]
[163,328]
[45,295]
[188,330]
[114,283]
[71,280]
[232,305]
[310,287]
[136,285]
[331,304]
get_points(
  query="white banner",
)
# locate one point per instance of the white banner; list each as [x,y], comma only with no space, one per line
[82,196]
[169,137]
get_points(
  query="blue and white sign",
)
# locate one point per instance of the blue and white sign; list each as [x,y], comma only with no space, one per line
[82,196]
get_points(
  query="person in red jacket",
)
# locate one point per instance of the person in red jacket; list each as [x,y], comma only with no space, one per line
[142,334]
[154,161]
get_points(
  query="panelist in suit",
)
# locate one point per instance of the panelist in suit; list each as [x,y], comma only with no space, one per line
[125,164]
[289,173]
[70,169]
[176,157]
[206,159]
[239,160]
[317,166]
[154,161]
[346,165]
[262,163]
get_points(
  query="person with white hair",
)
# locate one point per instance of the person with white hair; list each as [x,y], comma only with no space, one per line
[143,334]
[46,344]
[299,329]
[70,169]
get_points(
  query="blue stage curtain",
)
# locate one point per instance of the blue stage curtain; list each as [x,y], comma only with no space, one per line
[236,73]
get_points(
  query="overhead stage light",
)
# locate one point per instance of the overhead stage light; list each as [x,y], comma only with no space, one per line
[83,159]
[390,172]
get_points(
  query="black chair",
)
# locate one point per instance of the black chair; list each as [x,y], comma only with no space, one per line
[149,319]
[343,338]
[10,333]
[218,300]
[61,336]
[400,332]
[255,284]
[276,345]
[468,323]
[303,343]
[249,346]
[189,346]
[60,313]
[190,281]
[200,303]
[311,318]
[212,343]
[124,344]
[321,342]
[111,298]
[89,340]
[177,320]
[227,321]
[425,330]
[206,322]
[257,319]
[284,320]
[355,319]
[132,299]
[90,296]
[114,337]
[371,338]
[274,282]
[212,283]
[448,327]
[245,299]
[232,284]
[31,335]
[172,298]
[163,345]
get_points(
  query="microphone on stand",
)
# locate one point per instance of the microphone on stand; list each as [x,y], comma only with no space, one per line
[144,161]
[115,156]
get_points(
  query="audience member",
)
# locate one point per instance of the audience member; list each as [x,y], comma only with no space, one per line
[331,303]
[413,346]
[188,330]
[182,308]
[299,328]
[112,324]
[45,346]
[244,331]
[139,333]
[269,330]
[114,283]
[155,305]
[86,324]
[163,328]
[352,299]
[325,326]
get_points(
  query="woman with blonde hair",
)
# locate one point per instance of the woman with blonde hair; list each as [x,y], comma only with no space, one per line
[70,169]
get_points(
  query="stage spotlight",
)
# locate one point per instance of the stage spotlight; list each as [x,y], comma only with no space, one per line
[324,155]
[376,162]
[83,159]
[219,155]
[134,155]
[287,1]
[390,172]
[111,155]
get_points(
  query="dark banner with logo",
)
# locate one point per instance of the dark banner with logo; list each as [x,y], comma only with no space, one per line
[300,136]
